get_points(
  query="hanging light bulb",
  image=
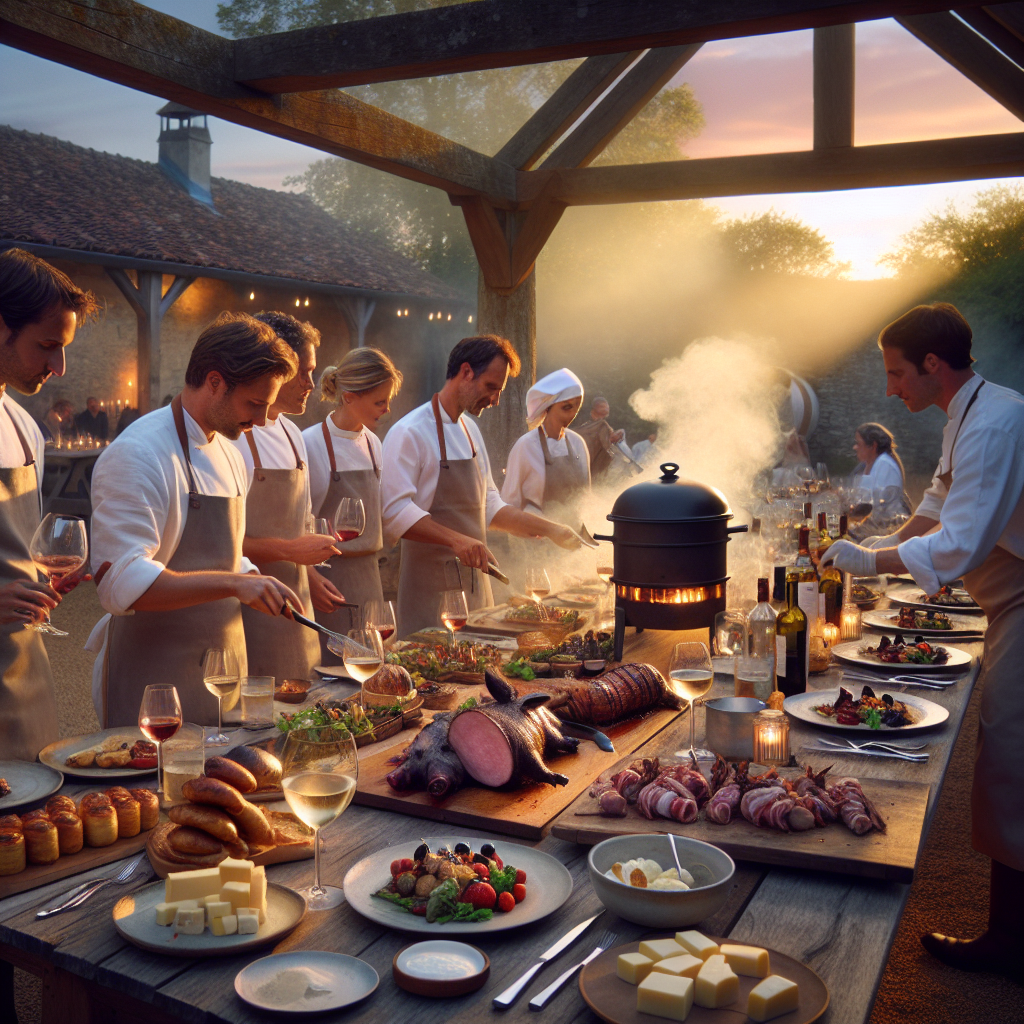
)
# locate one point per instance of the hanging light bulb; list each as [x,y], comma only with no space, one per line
[399,312]
[252,295]
[431,317]
[296,302]
[306,303]
[469,320]
[449,316]
[406,313]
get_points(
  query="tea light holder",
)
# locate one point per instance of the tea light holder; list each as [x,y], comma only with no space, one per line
[771,737]
[830,633]
[850,623]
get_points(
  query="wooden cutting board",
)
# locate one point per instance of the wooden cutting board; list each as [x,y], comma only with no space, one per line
[889,855]
[522,812]
[492,620]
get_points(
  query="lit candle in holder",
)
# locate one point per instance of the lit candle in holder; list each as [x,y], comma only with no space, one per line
[830,632]
[771,737]
[849,622]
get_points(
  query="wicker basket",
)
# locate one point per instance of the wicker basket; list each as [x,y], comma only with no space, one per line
[446,698]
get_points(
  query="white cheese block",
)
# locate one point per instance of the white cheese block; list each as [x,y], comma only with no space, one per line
[750,961]
[165,911]
[234,870]
[716,984]
[772,997]
[633,967]
[190,921]
[697,944]
[217,908]
[191,885]
[665,995]
[258,891]
[226,925]
[660,949]
[685,966]
[248,921]
[235,893]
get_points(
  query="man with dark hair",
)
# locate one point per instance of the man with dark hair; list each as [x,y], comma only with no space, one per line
[969,524]
[168,524]
[600,436]
[437,492]
[92,420]
[40,309]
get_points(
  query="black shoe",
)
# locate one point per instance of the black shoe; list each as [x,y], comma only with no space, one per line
[985,953]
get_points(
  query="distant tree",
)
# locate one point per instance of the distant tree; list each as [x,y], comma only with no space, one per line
[778,244]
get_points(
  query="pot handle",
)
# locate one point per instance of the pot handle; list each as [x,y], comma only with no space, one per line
[737,529]
[601,536]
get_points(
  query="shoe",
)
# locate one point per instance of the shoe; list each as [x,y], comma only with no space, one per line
[985,953]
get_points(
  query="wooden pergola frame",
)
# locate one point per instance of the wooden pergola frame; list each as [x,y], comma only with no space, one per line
[287,84]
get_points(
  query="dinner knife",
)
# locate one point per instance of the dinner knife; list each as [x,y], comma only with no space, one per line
[505,999]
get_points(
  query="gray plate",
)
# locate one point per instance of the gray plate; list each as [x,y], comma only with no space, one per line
[927,713]
[548,885]
[914,597]
[56,753]
[346,979]
[29,782]
[849,652]
[135,920]
[886,622]
[333,672]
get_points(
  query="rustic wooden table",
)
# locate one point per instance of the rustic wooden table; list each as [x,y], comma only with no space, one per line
[840,926]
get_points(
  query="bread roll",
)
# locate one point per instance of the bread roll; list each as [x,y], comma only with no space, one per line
[10,823]
[12,852]
[194,841]
[253,825]
[39,814]
[159,845]
[210,819]
[92,800]
[60,803]
[233,774]
[129,816]
[116,792]
[149,808]
[41,846]
[213,792]
[70,834]
[265,768]
[100,824]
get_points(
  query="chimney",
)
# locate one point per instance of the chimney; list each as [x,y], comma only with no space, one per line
[185,150]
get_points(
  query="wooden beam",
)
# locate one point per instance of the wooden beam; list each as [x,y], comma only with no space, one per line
[834,72]
[972,56]
[462,37]
[624,101]
[994,31]
[1010,16]
[563,108]
[823,170]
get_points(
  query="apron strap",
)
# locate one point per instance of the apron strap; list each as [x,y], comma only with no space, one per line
[335,475]
[257,463]
[299,464]
[30,459]
[544,445]
[373,460]
[947,476]
[435,402]
[179,426]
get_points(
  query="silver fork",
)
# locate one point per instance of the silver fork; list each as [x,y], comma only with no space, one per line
[882,743]
[542,998]
[882,751]
[75,898]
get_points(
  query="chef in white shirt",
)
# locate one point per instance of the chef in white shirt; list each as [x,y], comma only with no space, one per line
[970,523]
[40,308]
[437,491]
[169,518]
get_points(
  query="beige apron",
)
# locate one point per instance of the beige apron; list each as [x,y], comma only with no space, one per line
[28,708]
[276,507]
[168,647]
[460,503]
[565,477]
[356,573]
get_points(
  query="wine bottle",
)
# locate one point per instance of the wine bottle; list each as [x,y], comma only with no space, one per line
[803,552]
[830,583]
[761,639]
[792,624]
[843,526]
[779,590]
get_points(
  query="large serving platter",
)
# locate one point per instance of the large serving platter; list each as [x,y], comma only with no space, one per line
[915,597]
[548,886]
[29,782]
[57,753]
[927,713]
[886,620]
[850,652]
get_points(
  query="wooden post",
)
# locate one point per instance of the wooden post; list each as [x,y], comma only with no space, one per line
[833,86]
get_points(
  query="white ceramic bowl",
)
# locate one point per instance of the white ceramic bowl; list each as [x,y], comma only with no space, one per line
[656,908]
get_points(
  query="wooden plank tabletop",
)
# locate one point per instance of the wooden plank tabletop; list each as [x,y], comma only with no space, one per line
[840,926]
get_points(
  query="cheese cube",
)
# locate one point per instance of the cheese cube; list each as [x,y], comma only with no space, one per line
[716,985]
[226,925]
[165,911]
[685,966]
[750,961]
[232,870]
[191,885]
[190,921]
[217,908]
[697,944]
[660,949]
[258,891]
[235,893]
[633,967]
[772,997]
[248,921]
[664,995]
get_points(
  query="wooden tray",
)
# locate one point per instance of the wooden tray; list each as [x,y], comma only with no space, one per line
[492,620]
[522,812]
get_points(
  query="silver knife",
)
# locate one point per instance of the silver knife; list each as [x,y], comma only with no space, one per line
[511,994]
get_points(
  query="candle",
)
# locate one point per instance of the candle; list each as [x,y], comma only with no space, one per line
[849,622]
[771,737]
[831,634]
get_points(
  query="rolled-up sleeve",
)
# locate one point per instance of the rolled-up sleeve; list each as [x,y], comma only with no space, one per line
[399,475]
[933,498]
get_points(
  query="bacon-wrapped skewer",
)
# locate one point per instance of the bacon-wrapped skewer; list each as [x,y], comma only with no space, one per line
[722,806]
[773,807]
[630,780]
[859,814]
[667,797]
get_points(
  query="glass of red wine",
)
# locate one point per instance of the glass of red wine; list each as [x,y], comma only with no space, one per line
[380,615]
[160,719]
[59,547]
[454,611]
[349,519]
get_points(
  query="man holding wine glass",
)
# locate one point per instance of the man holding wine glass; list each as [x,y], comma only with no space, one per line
[40,308]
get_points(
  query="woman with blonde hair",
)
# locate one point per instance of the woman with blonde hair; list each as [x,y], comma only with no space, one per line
[344,462]
[881,472]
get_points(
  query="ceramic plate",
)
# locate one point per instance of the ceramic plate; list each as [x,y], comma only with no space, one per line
[887,622]
[308,981]
[914,597]
[548,886]
[29,782]
[333,673]
[850,653]
[135,919]
[57,753]
[926,712]
[614,1000]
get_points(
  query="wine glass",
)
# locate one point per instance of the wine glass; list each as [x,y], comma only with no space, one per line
[160,719]
[730,633]
[349,519]
[538,586]
[58,548]
[364,655]
[690,676]
[380,615]
[322,527]
[454,611]
[319,773]
[221,678]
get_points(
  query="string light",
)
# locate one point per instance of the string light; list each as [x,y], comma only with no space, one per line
[306,303]
[296,302]
[406,313]
[431,317]
[469,320]
[252,295]
[449,316]
[399,312]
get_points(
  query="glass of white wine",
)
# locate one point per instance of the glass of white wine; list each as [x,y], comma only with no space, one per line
[319,774]
[364,656]
[538,586]
[221,678]
[690,676]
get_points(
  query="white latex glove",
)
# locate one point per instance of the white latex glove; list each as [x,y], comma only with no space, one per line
[891,541]
[851,558]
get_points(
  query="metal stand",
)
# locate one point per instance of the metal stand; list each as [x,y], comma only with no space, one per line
[620,632]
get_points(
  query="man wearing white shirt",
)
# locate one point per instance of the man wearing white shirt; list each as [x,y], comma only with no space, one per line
[169,518]
[437,491]
[970,524]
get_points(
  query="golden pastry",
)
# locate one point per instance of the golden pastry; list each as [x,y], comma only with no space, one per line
[60,803]
[117,743]
[113,759]
[149,808]
[41,846]
[70,835]
[100,824]
[83,759]
[39,814]
[92,800]
[129,818]
[12,852]
[10,823]
[116,792]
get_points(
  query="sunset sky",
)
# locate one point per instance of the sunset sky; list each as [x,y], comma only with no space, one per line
[756,94]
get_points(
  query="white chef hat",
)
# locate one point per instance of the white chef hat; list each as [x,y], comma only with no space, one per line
[559,386]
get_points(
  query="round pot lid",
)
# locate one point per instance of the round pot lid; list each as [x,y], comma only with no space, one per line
[669,499]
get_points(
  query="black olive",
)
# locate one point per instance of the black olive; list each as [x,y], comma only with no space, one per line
[487,850]
[479,858]
[421,851]
[462,848]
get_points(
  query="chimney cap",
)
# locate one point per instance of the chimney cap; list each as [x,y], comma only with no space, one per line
[173,109]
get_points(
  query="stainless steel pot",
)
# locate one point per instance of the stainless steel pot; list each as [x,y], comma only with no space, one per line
[729,726]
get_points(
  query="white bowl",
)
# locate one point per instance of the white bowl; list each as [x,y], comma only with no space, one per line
[662,908]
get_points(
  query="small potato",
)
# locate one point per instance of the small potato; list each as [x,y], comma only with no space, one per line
[445,870]
[426,884]
[406,883]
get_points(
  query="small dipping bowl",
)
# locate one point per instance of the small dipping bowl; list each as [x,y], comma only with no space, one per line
[729,726]
[440,968]
[292,691]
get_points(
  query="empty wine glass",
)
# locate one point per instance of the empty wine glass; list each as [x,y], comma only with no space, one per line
[160,719]
[58,548]
[322,527]
[690,676]
[730,633]
[349,519]
[380,615]
[454,611]
[221,678]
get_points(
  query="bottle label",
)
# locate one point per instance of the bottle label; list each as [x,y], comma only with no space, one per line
[780,657]
[807,599]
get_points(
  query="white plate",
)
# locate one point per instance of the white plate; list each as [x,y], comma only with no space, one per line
[927,713]
[886,621]
[440,960]
[135,920]
[29,782]
[548,886]
[332,673]
[914,597]
[338,980]
[57,753]
[850,653]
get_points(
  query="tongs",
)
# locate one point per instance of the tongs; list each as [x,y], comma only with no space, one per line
[341,643]
[491,570]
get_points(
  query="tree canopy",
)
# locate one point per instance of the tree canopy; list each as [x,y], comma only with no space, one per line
[779,244]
